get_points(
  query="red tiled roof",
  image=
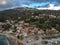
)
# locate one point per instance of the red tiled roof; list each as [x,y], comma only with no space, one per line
[20,43]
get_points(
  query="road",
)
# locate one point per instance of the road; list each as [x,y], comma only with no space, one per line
[13,40]
[33,41]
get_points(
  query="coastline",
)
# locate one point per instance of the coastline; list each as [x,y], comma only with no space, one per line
[9,39]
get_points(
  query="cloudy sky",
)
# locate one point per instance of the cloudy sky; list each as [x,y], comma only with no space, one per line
[5,4]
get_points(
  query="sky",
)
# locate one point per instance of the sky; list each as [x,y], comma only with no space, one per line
[7,4]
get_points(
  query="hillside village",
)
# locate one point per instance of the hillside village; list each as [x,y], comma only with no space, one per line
[31,26]
[35,27]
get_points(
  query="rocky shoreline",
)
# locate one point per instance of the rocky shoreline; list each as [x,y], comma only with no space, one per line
[10,40]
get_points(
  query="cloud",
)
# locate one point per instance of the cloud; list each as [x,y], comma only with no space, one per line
[24,5]
[39,1]
[27,3]
[4,4]
[58,1]
[51,7]
[36,5]
[9,4]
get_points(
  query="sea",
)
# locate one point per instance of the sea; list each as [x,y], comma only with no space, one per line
[3,40]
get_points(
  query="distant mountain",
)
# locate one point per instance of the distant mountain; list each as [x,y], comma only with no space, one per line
[17,12]
[25,12]
[51,7]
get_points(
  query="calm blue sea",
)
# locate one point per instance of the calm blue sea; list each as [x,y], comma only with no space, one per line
[3,40]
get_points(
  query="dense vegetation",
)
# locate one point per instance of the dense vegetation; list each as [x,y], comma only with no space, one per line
[43,23]
[25,13]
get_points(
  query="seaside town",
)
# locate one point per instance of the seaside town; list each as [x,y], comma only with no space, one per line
[29,22]
[36,30]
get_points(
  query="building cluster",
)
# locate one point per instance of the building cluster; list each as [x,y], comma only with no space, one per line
[23,29]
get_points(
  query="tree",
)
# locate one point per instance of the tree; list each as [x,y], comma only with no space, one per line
[15,29]
[21,37]
[41,20]
[6,27]
[46,26]
[58,27]
[35,44]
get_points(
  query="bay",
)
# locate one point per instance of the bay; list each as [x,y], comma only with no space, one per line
[3,40]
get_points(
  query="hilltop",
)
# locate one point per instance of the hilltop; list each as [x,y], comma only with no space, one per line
[25,12]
